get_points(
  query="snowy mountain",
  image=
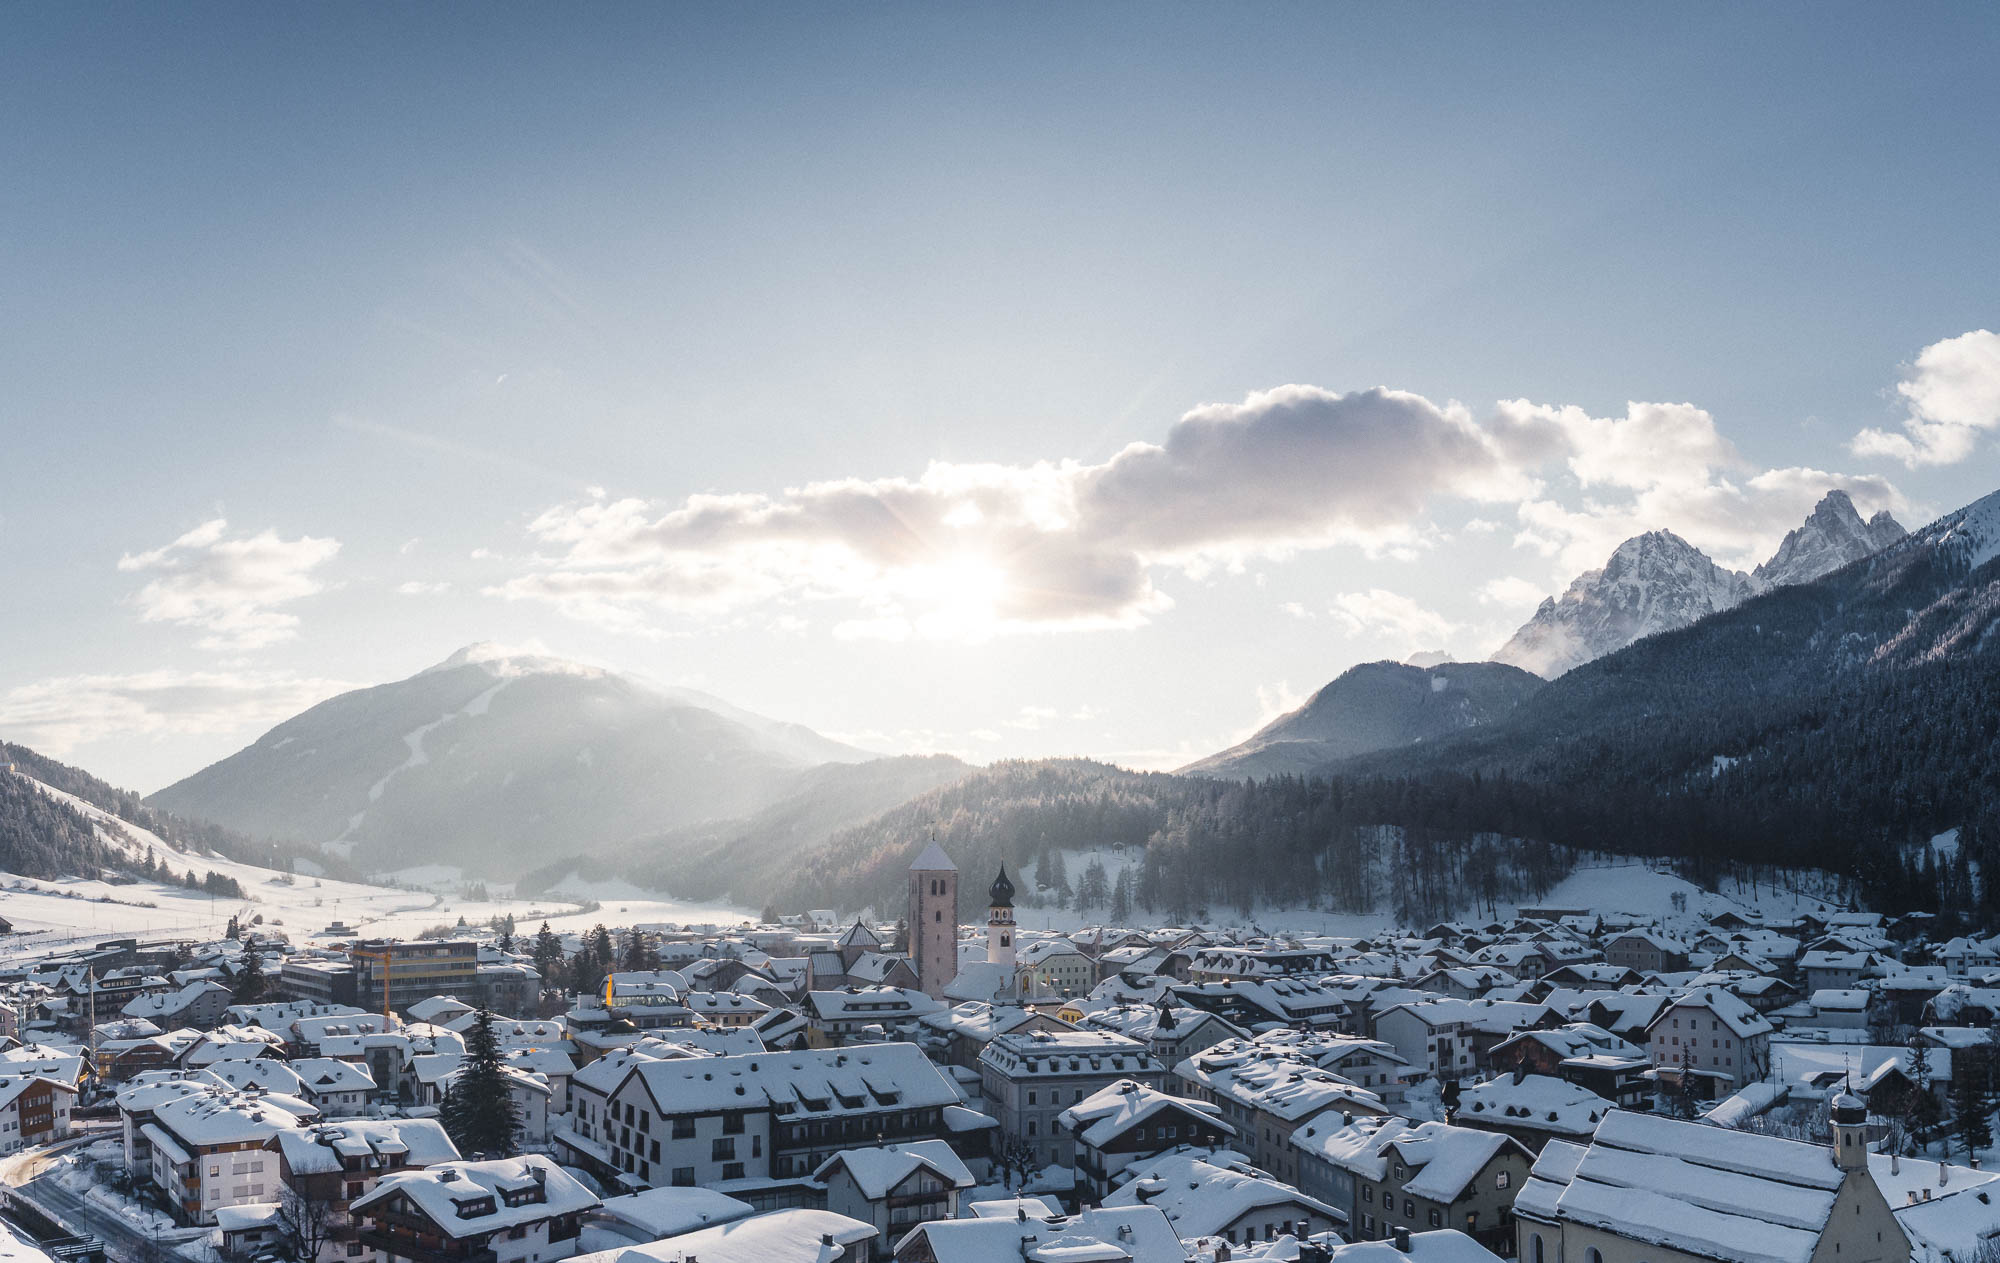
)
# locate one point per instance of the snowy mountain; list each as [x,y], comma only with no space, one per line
[1834,536]
[494,762]
[1374,706]
[1653,583]
[1658,582]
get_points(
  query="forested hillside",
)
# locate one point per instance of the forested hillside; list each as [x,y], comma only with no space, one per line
[196,835]
[1202,847]
[1838,724]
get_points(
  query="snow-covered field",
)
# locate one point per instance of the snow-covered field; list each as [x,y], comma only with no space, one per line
[1605,883]
[48,913]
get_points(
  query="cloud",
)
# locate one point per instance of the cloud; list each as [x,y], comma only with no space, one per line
[1391,615]
[418,587]
[57,715]
[229,588]
[1661,467]
[1952,392]
[971,550]
[1510,590]
[1030,718]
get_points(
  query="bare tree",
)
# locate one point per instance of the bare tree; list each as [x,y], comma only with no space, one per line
[307,1222]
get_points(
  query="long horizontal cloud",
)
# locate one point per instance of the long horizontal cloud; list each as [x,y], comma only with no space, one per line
[1051,544]
[975,549]
[57,715]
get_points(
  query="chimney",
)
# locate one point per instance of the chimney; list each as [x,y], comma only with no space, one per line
[1403,1240]
[1944,1174]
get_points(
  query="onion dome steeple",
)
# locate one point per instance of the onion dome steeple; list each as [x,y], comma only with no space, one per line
[1002,894]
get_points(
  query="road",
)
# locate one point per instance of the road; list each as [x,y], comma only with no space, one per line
[31,1177]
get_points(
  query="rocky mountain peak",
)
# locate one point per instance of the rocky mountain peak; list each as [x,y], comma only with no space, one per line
[1833,536]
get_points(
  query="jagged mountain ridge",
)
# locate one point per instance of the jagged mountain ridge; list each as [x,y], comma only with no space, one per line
[494,762]
[1658,582]
[1374,706]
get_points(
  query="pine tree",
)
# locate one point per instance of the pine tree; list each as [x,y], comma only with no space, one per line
[1972,1110]
[479,1111]
[548,954]
[600,945]
[1121,897]
[248,987]
[638,954]
[1095,887]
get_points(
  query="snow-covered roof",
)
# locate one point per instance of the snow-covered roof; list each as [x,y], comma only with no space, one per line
[667,1211]
[1442,1245]
[465,1199]
[813,1084]
[412,1142]
[1731,1009]
[1446,1158]
[1535,1102]
[799,1235]
[1107,1113]
[220,1116]
[1709,1191]
[1205,1191]
[1105,1232]
[932,859]
[879,1170]
[324,1074]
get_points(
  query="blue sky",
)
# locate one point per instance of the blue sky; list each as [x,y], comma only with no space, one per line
[446,312]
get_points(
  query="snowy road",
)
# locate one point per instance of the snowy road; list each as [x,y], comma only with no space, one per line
[32,1178]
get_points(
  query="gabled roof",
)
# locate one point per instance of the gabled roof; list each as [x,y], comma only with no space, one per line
[1107,1113]
[879,1171]
[447,1192]
[933,860]
[1707,1191]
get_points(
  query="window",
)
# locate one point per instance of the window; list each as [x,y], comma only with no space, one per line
[683,1177]
[1409,1209]
[1437,1219]
[354,1249]
[732,1171]
[1031,1098]
[732,1123]
[1368,1194]
[721,1149]
[1592,1256]
[1538,1250]
[683,1129]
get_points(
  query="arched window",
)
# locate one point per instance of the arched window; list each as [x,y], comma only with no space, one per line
[1592,1256]
[1538,1248]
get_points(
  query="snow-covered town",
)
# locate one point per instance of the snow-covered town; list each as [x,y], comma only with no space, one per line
[1720,1080]
[895,631]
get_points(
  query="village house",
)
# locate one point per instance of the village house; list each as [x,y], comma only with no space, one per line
[1713,1030]
[1390,1174]
[509,1210]
[1129,1122]
[1028,1080]
[894,1187]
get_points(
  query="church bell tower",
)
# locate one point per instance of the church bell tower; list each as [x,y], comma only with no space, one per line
[933,919]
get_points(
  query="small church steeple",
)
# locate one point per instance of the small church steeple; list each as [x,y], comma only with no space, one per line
[1000,921]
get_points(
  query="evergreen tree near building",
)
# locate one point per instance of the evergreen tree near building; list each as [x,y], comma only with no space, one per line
[548,954]
[637,954]
[249,984]
[1972,1113]
[600,945]
[479,1112]
[1921,1117]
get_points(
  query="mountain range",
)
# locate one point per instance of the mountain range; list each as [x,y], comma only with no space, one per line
[1658,582]
[1828,721]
